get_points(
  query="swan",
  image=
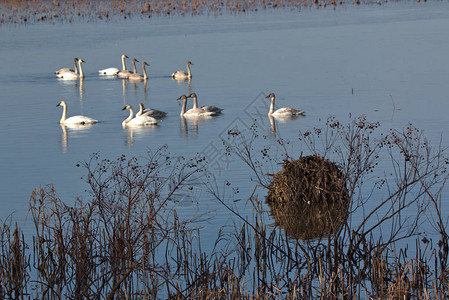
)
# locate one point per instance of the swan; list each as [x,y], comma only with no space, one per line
[66,70]
[183,74]
[127,73]
[194,112]
[139,120]
[73,75]
[282,112]
[205,107]
[150,112]
[113,71]
[82,120]
[134,66]
[138,77]
[124,73]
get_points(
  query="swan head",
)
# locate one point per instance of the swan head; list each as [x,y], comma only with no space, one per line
[75,59]
[271,95]
[141,106]
[124,56]
[127,106]
[135,60]
[182,97]
[145,64]
[81,61]
[189,63]
[61,103]
[192,95]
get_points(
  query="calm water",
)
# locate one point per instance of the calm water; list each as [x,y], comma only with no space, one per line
[328,62]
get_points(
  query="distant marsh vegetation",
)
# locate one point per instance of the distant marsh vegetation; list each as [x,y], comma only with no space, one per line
[24,12]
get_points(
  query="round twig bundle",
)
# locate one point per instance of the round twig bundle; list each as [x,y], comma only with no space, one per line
[309,198]
[310,179]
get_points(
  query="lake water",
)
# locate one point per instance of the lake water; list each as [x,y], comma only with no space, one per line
[341,62]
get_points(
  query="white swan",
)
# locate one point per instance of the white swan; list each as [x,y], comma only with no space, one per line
[113,71]
[139,120]
[66,70]
[73,75]
[183,74]
[282,112]
[150,112]
[124,73]
[205,107]
[194,112]
[81,120]
[138,77]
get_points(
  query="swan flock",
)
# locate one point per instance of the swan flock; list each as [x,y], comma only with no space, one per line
[147,117]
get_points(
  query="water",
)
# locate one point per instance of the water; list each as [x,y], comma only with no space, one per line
[388,62]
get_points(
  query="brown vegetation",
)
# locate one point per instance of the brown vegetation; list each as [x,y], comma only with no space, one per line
[308,197]
[126,240]
[26,11]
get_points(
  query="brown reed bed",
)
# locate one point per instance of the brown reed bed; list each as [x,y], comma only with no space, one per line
[125,240]
[67,11]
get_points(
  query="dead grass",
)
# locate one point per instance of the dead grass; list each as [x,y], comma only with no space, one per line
[125,240]
[28,12]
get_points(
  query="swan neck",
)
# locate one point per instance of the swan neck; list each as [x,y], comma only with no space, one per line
[81,69]
[183,109]
[64,113]
[188,71]
[144,72]
[271,106]
[76,67]
[134,67]
[195,102]
[130,117]
[123,63]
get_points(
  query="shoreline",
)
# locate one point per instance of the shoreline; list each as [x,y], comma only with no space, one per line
[65,11]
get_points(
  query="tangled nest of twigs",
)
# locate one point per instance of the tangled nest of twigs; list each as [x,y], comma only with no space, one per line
[309,197]
[310,179]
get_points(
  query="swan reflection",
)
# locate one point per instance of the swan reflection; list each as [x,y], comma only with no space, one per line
[273,125]
[124,82]
[135,85]
[108,77]
[282,119]
[78,84]
[181,81]
[192,123]
[137,133]
[75,131]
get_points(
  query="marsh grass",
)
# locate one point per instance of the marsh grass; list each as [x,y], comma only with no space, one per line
[126,240]
[28,12]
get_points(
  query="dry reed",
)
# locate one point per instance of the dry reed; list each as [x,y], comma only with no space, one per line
[126,241]
[28,12]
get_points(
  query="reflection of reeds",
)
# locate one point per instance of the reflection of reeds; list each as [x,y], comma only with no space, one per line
[309,220]
[21,11]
